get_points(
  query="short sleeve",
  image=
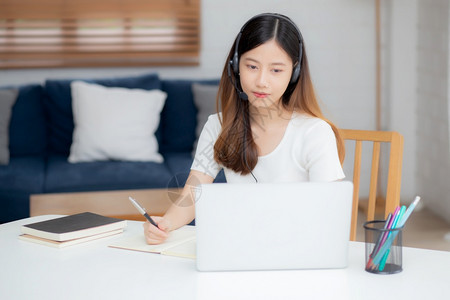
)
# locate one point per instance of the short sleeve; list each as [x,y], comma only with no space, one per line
[204,155]
[320,156]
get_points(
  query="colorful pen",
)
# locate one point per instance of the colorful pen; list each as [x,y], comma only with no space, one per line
[385,235]
[383,260]
[409,211]
[378,244]
[391,223]
[388,243]
[394,225]
[142,211]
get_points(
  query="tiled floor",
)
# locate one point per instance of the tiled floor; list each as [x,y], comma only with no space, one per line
[423,230]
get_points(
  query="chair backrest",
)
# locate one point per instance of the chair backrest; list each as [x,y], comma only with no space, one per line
[392,197]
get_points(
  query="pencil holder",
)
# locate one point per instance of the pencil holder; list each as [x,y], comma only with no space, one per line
[383,248]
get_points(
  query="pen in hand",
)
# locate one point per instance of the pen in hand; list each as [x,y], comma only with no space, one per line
[142,211]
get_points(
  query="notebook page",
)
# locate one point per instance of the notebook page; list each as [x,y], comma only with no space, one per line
[176,238]
[186,249]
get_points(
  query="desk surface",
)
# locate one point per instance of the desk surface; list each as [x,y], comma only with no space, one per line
[95,271]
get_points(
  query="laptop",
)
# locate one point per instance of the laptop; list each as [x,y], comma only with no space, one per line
[273,226]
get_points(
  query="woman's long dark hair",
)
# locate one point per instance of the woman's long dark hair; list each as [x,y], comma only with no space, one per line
[235,147]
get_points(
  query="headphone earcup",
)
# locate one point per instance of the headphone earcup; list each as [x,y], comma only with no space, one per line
[235,60]
[297,68]
[295,73]
[235,63]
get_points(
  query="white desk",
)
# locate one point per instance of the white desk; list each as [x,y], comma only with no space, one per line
[95,271]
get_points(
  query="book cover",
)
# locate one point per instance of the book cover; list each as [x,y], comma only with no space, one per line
[73,226]
[63,244]
[181,243]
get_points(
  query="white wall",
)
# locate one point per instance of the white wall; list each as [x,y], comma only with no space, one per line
[401,87]
[433,159]
[340,43]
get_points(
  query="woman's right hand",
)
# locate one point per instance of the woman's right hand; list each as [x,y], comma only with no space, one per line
[156,235]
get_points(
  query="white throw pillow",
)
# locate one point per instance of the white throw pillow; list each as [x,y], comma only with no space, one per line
[114,123]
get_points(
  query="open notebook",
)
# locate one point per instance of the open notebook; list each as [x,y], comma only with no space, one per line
[181,243]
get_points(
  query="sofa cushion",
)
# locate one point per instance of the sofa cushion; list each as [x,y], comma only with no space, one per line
[180,166]
[205,102]
[27,129]
[19,179]
[63,176]
[58,105]
[7,100]
[125,130]
[179,116]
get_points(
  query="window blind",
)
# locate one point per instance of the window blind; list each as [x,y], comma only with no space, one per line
[96,33]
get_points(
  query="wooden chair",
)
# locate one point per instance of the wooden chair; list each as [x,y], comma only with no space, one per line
[392,197]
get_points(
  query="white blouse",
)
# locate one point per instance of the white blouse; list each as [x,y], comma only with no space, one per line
[307,152]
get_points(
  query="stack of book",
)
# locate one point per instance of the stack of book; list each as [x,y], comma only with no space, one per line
[70,230]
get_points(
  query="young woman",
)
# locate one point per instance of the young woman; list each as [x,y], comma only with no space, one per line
[271,128]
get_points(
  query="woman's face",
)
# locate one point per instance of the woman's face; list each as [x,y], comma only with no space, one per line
[265,72]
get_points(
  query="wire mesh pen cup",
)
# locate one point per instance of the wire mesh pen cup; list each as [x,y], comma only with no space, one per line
[383,248]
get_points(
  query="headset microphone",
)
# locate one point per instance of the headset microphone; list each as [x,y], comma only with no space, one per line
[242,95]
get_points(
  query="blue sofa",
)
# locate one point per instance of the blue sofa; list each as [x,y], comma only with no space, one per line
[40,136]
